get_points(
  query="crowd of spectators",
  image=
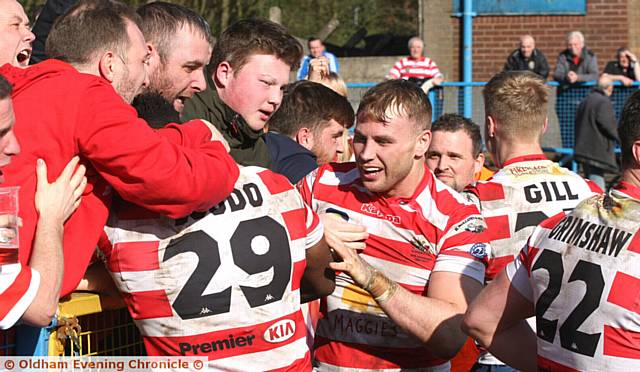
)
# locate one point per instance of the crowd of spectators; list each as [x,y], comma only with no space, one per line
[196,186]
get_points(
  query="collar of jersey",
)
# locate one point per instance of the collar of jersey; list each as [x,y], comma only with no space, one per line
[519,159]
[629,189]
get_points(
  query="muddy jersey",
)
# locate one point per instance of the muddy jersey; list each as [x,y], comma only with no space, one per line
[224,284]
[525,192]
[18,287]
[582,273]
[436,229]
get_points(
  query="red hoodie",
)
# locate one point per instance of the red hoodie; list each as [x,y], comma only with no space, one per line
[61,113]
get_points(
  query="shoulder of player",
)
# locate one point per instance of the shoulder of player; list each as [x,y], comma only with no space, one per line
[334,174]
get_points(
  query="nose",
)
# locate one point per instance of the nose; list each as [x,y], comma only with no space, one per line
[443,163]
[199,83]
[368,151]
[29,36]
[275,96]
[340,145]
[13,146]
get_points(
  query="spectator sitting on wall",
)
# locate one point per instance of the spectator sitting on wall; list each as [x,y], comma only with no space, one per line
[576,63]
[528,57]
[317,50]
[417,68]
[625,69]
[596,133]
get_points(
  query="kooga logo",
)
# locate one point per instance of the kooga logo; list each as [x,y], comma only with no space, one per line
[280,331]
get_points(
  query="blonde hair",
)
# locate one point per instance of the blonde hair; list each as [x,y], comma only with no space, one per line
[334,82]
[518,101]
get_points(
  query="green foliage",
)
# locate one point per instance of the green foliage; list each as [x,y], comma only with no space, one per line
[304,18]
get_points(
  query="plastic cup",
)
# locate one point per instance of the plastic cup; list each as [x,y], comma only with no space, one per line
[9,240]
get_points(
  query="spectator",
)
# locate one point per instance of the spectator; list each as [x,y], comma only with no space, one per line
[71,108]
[455,152]
[30,293]
[180,43]
[15,34]
[528,57]
[578,275]
[420,234]
[307,129]
[250,65]
[625,68]
[267,251]
[417,68]
[577,63]
[317,50]
[528,188]
[596,134]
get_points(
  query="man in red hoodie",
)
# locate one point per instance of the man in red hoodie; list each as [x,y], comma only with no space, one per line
[71,108]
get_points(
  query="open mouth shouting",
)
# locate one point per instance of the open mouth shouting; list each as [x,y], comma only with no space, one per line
[22,58]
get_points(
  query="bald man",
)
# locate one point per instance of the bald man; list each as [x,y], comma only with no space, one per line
[528,57]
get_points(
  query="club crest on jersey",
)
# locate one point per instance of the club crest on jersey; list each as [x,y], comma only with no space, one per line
[479,250]
[280,331]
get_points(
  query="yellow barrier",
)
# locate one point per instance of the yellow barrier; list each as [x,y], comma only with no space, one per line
[102,332]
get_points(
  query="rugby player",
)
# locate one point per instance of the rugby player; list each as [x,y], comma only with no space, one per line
[226,284]
[423,260]
[527,188]
[579,275]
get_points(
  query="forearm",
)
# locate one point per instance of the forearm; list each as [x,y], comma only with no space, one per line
[47,259]
[522,357]
[434,322]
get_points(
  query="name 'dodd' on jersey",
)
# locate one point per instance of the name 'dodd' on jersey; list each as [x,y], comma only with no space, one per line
[236,201]
[548,191]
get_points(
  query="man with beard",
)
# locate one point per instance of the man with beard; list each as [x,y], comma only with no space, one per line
[179,42]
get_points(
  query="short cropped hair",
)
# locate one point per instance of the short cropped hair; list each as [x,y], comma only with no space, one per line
[313,38]
[518,101]
[414,39]
[453,123]
[396,97]
[629,129]
[161,21]
[88,29]
[249,37]
[5,88]
[311,105]
[575,35]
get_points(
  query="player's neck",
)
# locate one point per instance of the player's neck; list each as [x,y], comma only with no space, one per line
[511,150]
[631,176]
[407,187]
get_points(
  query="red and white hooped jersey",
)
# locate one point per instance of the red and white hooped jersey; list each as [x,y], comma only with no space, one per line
[421,68]
[525,192]
[18,287]
[409,238]
[582,273]
[224,284]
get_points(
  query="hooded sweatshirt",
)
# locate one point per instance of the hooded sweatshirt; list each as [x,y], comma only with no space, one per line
[61,113]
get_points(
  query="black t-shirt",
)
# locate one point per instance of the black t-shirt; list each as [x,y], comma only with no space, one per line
[614,68]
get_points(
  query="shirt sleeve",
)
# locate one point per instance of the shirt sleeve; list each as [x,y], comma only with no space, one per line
[18,288]
[396,70]
[464,249]
[146,168]
[518,275]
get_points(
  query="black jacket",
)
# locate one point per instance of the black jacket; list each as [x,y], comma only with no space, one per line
[289,158]
[536,63]
[247,145]
[596,132]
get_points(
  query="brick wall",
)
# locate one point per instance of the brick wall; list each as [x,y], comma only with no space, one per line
[605,26]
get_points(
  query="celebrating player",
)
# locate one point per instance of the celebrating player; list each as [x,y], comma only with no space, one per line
[421,262]
[579,275]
